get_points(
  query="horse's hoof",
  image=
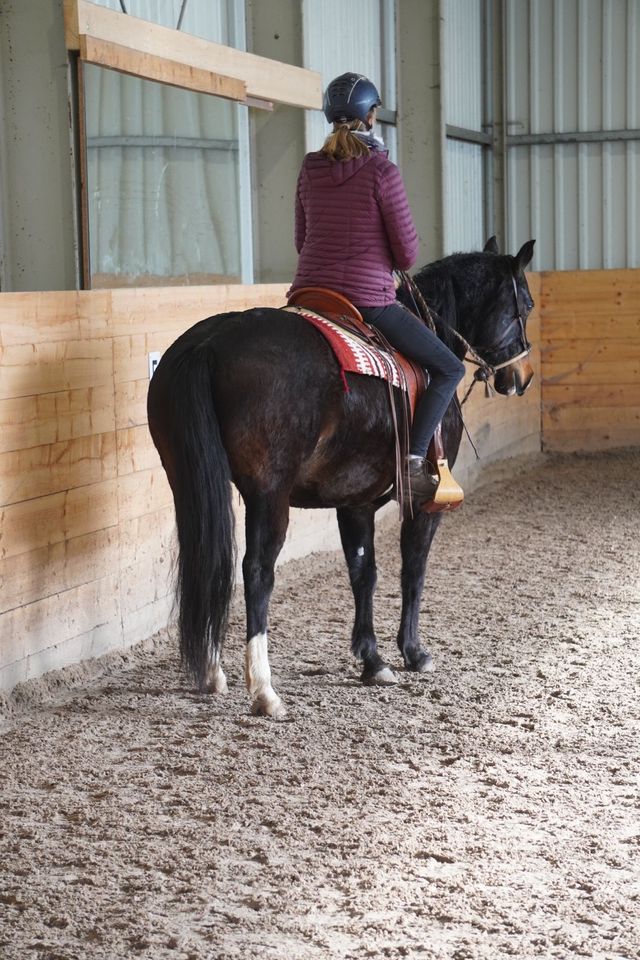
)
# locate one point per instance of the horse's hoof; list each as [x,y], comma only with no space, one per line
[383,678]
[422,664]
[269,706]
[216,682]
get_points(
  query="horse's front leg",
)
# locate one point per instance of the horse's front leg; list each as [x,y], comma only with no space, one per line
[415,541]
[356,532]
[267,518]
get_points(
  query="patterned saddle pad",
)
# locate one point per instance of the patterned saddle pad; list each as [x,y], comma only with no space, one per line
[351,342]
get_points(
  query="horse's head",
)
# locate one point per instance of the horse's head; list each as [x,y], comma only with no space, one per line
[481,301]
[502,342]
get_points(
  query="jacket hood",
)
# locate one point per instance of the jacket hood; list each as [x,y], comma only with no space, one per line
[342,170]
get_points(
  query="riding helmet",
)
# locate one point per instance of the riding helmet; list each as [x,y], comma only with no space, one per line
[350,97]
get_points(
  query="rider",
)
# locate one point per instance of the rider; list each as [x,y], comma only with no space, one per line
[353,227]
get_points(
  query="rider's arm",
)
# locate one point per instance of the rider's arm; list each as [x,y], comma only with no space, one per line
[398,221]
[301,220]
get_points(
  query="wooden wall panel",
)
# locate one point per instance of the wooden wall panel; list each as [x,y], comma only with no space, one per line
[131,403]
[87,536]
[584,372]
[580,395]
[589,326]
[590,348]
[52,467]
[58,518]
[60,617]
[142,493]
[78,315]
[136,451]
[57,567]
[34,368]
[54,417]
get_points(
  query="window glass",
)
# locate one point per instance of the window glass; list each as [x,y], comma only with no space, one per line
[164,193]
[167,179]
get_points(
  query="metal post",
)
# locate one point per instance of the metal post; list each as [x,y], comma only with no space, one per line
[496,109]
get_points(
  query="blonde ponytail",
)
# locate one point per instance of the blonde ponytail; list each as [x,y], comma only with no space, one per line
[343,144]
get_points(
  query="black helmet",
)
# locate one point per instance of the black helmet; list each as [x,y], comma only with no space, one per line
[350,97]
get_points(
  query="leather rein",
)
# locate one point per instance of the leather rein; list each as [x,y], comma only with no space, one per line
[485,370]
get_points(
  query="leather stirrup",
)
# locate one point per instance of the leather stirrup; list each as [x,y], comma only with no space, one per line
[449,494]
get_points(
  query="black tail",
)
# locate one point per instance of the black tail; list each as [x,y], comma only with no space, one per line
[204,514]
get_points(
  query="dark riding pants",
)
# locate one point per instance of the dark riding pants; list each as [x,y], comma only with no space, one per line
[415,340]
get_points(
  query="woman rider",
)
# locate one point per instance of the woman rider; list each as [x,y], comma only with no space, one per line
[353,227]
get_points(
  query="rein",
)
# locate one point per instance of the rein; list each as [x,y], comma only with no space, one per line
[485,370]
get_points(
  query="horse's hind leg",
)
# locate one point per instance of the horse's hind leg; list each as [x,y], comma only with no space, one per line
[415,541]
[267,519]
[356,532]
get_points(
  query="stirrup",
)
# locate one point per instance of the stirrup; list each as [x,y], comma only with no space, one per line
[449,494]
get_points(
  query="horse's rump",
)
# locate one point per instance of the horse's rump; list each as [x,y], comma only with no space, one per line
[285,417]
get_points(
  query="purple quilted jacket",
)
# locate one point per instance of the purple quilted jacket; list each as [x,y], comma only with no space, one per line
[353,227]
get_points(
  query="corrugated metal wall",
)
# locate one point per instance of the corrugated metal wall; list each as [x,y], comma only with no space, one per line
[573,67]
[358,36]
[168,169]
[463,100]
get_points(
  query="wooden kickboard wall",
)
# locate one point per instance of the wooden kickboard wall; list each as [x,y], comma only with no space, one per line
[590,354]
[87,517]
[86,537]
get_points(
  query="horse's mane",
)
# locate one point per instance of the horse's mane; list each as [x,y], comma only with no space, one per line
[435,283]
[453,286]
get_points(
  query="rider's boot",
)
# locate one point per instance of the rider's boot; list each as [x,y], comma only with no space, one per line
[433,487]
[423,480]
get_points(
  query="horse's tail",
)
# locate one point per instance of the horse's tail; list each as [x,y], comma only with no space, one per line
[204,514]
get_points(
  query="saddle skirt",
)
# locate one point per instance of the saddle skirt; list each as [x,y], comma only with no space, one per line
[357,347]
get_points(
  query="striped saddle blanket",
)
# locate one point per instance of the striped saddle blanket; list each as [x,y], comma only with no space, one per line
[353,347]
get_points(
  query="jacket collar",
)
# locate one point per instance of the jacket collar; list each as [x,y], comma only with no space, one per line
[371,140]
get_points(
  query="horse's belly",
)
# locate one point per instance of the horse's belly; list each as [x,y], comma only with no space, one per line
[351,481]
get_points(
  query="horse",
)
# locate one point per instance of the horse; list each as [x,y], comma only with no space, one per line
[256,399]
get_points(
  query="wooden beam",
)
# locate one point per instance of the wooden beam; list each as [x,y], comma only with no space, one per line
[32,319]
[268,80]
[115,56]
[259,104]
[71,26]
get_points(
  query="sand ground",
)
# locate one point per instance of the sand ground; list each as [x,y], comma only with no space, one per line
[487,810]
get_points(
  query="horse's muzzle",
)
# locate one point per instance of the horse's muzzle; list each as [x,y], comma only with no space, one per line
[514,379]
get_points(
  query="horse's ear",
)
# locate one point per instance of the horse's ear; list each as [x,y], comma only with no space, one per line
[491,246]
[524,255]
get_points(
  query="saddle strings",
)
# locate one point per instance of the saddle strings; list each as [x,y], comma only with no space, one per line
[402,427]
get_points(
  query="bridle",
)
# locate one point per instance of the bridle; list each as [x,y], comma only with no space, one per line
[473,354]
[518,320]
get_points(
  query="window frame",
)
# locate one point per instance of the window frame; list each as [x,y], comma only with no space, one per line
[119,41]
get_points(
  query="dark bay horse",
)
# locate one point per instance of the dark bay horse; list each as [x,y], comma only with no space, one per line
[256,398]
